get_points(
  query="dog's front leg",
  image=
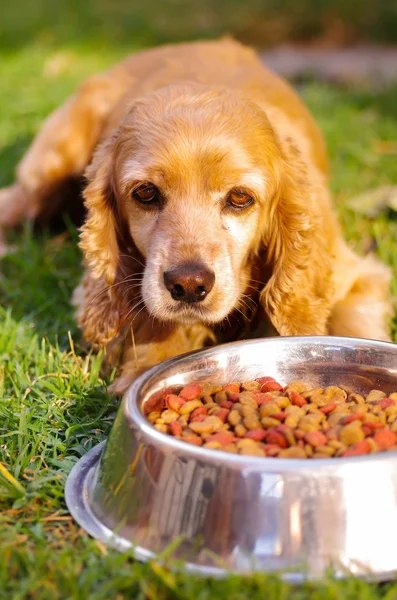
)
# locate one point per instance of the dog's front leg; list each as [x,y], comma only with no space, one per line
[142,356]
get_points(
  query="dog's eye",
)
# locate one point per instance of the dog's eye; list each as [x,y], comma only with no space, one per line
[239,199]
[146,193]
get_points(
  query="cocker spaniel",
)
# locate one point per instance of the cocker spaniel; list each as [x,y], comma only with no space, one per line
[208,212]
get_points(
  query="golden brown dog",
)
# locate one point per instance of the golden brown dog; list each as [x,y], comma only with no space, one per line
[209,217]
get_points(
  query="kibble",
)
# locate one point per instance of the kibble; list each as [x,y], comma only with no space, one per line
[189,406]
[266,419]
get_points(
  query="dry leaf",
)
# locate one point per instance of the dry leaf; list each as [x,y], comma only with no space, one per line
[375,201]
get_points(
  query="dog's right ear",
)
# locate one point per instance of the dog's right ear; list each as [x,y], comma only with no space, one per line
[98,238]
[100,308]
[99,311]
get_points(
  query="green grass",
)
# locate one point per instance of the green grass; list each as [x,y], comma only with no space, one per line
[53,403]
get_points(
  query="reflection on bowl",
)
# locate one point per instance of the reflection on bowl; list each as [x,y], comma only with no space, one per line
[242,513]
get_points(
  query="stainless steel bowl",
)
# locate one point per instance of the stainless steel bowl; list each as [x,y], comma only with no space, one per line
[226,512]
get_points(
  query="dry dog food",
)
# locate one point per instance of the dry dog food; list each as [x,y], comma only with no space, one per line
[264,418]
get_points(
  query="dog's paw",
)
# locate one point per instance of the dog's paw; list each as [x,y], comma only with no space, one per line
[122,383]
[15,206]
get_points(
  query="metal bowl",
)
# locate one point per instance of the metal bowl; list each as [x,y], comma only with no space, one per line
[222,512]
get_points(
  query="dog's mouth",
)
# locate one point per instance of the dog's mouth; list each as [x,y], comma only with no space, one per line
[188,314]
[188,294]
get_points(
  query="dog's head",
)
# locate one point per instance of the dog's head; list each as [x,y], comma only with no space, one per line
[197,182]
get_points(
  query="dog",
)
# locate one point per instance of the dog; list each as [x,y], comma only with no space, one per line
[209,217]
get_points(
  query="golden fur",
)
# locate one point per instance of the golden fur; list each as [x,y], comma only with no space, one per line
[197,121]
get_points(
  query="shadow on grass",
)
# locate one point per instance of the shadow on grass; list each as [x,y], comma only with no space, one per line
[10,156]
[39,274]
[37,279]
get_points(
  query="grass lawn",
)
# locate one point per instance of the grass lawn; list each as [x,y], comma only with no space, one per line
[53,404]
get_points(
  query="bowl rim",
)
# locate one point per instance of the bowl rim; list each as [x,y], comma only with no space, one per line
[133,414]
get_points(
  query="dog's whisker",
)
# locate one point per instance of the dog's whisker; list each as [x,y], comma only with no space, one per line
[247,299]
[132,258]
[130,288]
[250,279]
[134,308]
[138,275]
[223,324]
[249,302]
[245,306]
[151,319]
[134,280]
[252,287]
[241,313]
[139,311]
[257,281]
[107,288]
[246,318]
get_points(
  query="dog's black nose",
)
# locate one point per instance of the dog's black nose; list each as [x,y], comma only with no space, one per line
[189,282]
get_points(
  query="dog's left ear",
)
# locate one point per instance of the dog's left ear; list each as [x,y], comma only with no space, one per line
[297,297]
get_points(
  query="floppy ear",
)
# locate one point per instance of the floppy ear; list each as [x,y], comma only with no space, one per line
[297,297]
[103,306]
[98,238]
[99,311]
